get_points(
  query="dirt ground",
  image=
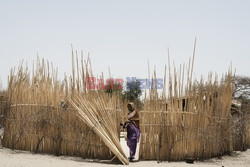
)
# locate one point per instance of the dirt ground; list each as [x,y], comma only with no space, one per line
[10,158]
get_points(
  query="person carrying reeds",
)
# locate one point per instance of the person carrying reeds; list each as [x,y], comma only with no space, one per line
[133,130]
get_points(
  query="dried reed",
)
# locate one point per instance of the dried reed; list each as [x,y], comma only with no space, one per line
[186,119]
[40,95]
[189,119]
[99,115]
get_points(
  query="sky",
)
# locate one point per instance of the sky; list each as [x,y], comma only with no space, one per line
[124,35]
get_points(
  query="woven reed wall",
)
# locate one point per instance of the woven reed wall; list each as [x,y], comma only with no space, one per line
[180,135]
[51,130]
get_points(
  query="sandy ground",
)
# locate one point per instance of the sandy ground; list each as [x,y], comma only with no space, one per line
[10,158]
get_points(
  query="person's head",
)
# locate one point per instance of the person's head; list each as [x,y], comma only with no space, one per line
[131,107]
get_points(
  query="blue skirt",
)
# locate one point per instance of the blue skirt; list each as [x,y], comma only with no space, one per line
[133,136]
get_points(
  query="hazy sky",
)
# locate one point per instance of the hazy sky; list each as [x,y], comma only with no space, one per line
[125,34]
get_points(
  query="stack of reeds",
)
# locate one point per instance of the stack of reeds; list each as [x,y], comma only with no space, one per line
[99,114]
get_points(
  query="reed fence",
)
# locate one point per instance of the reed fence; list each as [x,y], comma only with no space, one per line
[171,136]
[198,125]
[186,119]
[53,130]
[41,118]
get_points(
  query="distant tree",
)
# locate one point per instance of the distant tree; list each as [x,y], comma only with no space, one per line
[133,92]
[241,93]
[113,88]
[242,88]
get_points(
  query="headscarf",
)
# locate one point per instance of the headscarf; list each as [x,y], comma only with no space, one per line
[132,105]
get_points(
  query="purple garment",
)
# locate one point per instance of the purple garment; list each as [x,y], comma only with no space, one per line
[133,136]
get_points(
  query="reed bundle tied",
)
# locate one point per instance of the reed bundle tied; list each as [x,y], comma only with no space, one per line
[99,114]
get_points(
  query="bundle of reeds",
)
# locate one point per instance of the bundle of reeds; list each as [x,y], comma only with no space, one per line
[99,114]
